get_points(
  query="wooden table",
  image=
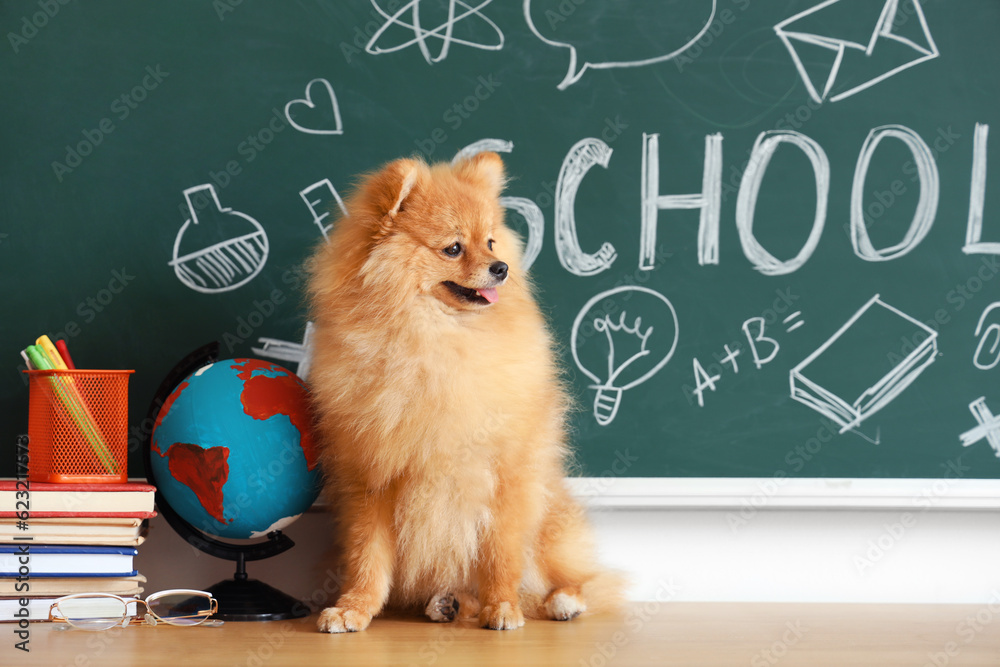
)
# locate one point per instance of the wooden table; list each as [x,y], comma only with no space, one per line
[650,633]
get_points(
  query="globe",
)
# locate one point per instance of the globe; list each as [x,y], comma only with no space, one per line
[231,449]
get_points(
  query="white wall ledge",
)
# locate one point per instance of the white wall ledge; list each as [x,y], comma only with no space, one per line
[786,493]
[716,540]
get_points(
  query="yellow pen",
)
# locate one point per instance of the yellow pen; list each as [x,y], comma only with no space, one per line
[57,361]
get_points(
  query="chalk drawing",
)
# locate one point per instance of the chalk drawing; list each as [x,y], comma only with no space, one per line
[992,333]
[309,103]
[746,202]
[709,200]
[581,157]
[300,353]
[535,220]
[989,426]
[865,43]
[792,326]
[755,339]
[848,378]
[623,332]
[482,146]
[527,209]
[319,198]
[753,329]
[443,32]
[923,216]
[575,71]
[977,197]
[220,266]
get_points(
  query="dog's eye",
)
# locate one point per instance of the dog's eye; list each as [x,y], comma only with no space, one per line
[454,250]
[489,244]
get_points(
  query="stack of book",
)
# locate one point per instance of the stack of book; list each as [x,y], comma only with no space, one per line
[60,539]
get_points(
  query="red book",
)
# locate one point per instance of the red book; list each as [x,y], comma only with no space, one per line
[43,500]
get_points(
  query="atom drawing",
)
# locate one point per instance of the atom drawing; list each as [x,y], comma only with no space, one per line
[457,12]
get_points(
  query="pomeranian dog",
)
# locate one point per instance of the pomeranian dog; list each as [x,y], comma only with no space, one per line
[441,412]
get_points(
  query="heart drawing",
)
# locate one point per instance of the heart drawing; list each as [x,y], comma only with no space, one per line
[311,104]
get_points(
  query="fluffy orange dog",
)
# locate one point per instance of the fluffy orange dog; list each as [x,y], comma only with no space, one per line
[441,411]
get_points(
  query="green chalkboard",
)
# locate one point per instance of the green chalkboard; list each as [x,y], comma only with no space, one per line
[765,233]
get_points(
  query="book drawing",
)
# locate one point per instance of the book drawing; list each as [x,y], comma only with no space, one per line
[862,367]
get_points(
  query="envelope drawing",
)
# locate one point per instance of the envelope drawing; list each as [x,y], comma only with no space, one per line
[857,56]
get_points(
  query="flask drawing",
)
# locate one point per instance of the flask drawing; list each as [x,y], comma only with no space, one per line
[623,333]
[227,248]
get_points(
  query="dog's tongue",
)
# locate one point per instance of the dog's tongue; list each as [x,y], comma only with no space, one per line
[490,294]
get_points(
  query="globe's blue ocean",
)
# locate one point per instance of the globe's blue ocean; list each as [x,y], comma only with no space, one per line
[232,449]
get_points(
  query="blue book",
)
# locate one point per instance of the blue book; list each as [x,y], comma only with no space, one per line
[65,561]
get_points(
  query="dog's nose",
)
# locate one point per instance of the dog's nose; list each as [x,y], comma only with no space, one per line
[499,270]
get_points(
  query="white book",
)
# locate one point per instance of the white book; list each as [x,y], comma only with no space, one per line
[27,559]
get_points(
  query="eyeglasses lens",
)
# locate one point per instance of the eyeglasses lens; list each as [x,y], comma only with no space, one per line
[92,613]
[181,608]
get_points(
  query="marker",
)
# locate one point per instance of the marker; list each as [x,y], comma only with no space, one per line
[68,396]
[64,353]
[38,358]
[27,361]
[51,352]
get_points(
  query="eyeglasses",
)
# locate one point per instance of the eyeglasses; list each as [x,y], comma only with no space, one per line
[103,611]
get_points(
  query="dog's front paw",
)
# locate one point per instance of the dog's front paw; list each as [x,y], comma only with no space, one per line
[343,619]
[564,605]
[501,616]
[442,608]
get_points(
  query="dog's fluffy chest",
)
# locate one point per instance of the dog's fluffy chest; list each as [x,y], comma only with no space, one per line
[440,514]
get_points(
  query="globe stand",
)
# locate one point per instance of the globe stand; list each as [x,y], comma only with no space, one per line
[240,598]
[243,599]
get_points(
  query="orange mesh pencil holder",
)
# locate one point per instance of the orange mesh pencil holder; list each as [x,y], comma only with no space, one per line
[78,426]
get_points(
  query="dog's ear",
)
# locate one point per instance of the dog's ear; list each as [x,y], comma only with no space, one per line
[484,169]
[390,189]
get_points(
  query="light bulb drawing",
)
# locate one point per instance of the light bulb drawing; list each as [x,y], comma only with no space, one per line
[635,352]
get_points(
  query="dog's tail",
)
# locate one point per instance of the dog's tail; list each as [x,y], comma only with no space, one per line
[605,593]
[571,581]
[602,593]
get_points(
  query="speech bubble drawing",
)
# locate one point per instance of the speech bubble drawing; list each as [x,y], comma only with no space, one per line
[622,13]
